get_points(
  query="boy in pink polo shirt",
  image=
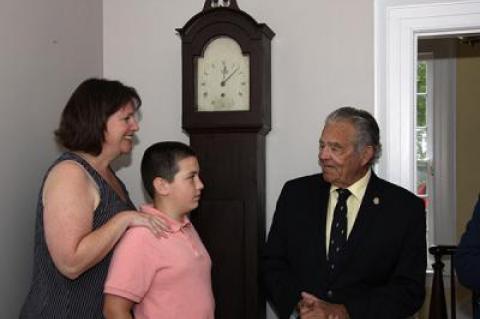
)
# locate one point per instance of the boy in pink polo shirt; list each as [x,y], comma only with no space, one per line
[156,277]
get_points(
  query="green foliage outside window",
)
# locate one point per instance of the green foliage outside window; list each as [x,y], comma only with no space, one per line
[422,77]
[421,131]
[421,94]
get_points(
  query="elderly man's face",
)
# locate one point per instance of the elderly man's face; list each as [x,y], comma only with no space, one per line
[341,164]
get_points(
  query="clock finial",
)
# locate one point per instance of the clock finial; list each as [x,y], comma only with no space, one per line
[213,4]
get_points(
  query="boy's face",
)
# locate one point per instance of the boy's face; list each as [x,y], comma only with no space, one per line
[186,187]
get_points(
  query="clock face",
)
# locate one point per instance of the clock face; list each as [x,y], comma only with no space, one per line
[223,77]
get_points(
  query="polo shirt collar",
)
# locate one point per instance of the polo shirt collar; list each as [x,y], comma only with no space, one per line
[172,224]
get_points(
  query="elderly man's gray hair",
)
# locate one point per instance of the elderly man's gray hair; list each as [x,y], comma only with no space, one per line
[368,133]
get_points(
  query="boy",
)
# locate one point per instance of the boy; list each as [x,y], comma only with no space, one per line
[167,278]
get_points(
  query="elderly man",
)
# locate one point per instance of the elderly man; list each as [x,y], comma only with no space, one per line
[345,243]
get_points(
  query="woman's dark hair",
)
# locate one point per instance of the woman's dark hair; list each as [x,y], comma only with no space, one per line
[161,160]
[84,118]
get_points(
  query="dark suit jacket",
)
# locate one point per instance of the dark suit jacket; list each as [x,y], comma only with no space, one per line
[467,257]
[382,272]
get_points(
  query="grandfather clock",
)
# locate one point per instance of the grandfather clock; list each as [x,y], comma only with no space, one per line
[226,86]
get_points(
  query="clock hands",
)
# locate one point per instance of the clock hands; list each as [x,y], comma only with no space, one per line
[224,71]
[228,77]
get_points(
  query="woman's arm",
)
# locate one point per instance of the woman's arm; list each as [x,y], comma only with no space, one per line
[115,307]
[70,198]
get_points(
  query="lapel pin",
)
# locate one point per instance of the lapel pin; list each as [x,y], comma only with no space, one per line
[376,200]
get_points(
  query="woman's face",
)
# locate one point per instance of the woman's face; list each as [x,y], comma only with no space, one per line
[121,126]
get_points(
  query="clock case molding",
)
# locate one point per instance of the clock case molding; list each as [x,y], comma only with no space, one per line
[230,146]
[254,40]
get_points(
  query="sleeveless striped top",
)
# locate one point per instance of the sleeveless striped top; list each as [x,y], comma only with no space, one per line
[53,295]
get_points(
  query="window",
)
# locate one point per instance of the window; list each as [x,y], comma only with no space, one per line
[424,143]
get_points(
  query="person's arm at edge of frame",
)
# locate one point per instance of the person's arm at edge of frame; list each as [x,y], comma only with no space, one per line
[116,307]
[405,292]
[467,256]
[70,198]
[279,285]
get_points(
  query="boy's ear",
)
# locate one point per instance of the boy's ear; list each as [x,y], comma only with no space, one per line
[161,186]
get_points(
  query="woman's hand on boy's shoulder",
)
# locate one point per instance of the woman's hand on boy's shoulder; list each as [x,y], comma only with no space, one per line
[155,224]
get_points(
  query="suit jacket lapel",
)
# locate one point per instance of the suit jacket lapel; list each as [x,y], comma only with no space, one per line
[319,216]
[369,209]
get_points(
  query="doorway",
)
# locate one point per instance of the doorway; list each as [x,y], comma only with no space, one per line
[447,117]
[399,25]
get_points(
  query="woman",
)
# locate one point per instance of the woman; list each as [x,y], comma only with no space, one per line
[83,208]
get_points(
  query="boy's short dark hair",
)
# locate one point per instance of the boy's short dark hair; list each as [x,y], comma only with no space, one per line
[84,118]
[161,160]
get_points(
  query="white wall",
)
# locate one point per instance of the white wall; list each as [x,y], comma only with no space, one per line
[322,58]
[47,48]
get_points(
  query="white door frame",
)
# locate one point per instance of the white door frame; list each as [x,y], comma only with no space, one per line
[398,24]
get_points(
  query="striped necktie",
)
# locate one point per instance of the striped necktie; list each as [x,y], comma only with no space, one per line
[338,232]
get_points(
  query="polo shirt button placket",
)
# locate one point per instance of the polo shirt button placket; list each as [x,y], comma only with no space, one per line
[189,239]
